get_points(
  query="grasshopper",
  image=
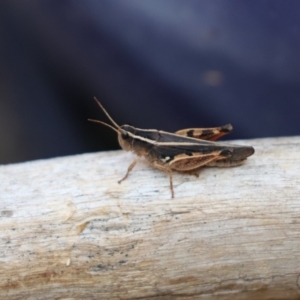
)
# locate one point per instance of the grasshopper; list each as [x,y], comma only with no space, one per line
[185,150]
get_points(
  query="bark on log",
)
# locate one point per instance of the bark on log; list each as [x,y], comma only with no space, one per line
[68,230]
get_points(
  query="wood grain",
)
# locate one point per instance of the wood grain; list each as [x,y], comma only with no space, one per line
[68,230]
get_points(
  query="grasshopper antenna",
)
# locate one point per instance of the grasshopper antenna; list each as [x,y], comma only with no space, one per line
[107,114]
[107,125]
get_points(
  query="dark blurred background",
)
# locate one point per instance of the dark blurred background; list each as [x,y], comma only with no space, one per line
[164,64]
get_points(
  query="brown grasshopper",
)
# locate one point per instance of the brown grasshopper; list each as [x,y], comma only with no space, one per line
[185,150]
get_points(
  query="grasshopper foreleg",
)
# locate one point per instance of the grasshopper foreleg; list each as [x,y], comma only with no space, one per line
[129,169]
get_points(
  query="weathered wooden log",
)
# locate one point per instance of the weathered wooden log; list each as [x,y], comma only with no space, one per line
[68,230]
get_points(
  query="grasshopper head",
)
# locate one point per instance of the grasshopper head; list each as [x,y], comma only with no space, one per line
[125,132]
[125,137]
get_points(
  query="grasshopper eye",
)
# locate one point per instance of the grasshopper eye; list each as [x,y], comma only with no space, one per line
[124,135]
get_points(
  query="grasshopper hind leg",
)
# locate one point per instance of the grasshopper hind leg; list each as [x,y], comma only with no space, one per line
[210,134]
[195,172]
